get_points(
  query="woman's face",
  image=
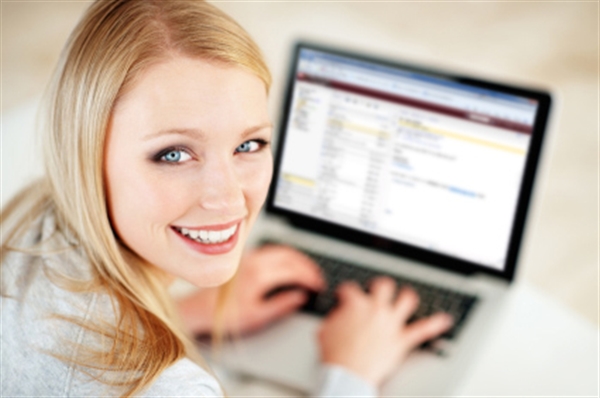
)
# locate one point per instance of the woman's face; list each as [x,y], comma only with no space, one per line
[187,166]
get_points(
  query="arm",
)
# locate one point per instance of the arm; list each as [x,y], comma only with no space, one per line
[362,340]
[261,272]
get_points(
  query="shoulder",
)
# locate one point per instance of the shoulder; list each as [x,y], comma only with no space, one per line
[37,339]
[42,278]
[35,335]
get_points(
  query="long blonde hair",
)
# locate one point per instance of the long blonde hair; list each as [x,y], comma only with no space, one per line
[111,45]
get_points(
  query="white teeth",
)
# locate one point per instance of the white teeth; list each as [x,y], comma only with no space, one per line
[204,235]
[210,237]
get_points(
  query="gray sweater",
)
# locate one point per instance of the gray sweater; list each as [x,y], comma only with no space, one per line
[31,336]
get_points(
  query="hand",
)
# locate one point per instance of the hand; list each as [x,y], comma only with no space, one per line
[367,333]
[261,271]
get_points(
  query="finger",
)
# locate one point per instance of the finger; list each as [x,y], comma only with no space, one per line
[383,289]
[348,292]
[303,271]
[281,305]
[426,329]
[406,303]
[282,265]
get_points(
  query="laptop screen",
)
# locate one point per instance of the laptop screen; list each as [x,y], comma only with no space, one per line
[413,157]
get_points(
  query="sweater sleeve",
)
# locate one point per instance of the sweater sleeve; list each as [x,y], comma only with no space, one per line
[336,381]
[184,379]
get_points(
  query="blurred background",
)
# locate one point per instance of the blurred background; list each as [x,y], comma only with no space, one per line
[552,45]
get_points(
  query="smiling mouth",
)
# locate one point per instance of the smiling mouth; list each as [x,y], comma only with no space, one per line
[208,237]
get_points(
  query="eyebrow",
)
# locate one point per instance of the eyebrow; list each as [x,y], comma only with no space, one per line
[252,130]
[199,134]
[194,133]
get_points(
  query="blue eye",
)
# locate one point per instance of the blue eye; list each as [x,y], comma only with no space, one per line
[251,146]
[175,156]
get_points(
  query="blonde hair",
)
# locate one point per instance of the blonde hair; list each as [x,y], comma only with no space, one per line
[111,45]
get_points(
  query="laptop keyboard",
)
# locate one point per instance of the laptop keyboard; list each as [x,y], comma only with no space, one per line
[432,298]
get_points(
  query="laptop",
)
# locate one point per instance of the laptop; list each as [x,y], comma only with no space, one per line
[384,168]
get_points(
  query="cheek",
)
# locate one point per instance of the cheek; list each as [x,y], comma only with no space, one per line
[140,200]
[257,178]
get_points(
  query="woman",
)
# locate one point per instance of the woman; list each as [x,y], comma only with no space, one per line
[157,163]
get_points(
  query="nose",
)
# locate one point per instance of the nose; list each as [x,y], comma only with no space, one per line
[221,187]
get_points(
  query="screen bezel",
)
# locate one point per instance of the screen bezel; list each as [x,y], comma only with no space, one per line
[390,246]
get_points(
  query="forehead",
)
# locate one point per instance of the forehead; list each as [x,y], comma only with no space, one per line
[187,93]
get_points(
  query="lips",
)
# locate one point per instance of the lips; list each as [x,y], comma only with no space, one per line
[214,239]
[207,236]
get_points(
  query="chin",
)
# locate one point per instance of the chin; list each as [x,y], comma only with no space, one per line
[216,280]
[215,274]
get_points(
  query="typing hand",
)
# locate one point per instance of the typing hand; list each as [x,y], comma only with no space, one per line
[260,292]
[367,332]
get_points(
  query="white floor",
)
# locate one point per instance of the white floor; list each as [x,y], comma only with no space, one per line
[549,44]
